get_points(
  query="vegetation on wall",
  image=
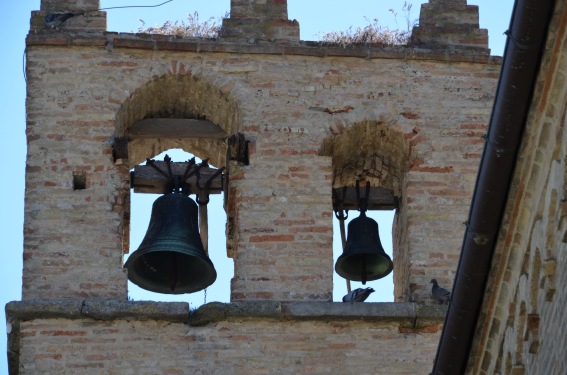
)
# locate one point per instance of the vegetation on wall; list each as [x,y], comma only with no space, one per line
[191,27]
[372,33]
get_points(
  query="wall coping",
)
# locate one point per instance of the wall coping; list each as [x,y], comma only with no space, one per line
[154,42]
[405,314]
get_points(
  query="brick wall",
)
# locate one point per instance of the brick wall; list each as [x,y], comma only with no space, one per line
[449,23]
[122,347]
[260,21]
[94,336]
[440,108]
[87,16]
[267,9]
[524,322]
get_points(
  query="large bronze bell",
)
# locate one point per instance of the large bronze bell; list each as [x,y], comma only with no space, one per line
[171,258]
[363,258]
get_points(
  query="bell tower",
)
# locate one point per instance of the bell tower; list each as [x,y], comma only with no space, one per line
[294,123]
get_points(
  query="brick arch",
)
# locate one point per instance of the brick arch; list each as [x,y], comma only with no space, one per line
[371,150]
[174,96]
[179,96]
[376,151]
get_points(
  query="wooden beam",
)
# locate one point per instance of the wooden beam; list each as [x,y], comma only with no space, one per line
[379,198]
[175,128]
[145,179]
[204,227]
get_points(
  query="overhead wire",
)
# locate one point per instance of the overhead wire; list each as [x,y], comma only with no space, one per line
[134,6]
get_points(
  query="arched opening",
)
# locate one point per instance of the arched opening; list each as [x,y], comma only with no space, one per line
[373,152]
[177,111]
[141,206]
[167,115]
[384,288]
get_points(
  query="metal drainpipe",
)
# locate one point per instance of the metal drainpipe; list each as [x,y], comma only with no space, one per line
[524,48]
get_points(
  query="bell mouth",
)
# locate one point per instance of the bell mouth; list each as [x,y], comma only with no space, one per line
[171,258]
[170,271]
[353,267]
[363,258]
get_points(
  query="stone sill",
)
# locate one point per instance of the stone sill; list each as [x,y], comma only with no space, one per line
[154,42]
[404,314]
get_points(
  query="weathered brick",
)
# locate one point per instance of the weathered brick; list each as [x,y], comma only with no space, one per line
[411,118]
[524,319]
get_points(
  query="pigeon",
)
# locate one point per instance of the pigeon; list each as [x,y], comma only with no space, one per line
[54,20]
[358,295]
[440,294]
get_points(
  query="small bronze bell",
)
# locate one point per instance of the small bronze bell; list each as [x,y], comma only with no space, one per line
[363,258]
[171,258]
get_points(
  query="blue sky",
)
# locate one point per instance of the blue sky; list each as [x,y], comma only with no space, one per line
[315,17]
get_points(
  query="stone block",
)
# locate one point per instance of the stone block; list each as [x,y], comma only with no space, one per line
[139,310]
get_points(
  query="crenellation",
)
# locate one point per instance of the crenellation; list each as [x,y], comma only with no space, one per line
[445,23]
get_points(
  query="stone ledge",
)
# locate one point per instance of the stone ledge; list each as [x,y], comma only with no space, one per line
[98,309]
[404,314]
[111,40]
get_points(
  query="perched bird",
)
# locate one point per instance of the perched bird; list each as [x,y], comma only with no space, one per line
[54,20]
[358,295]
[440,294]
